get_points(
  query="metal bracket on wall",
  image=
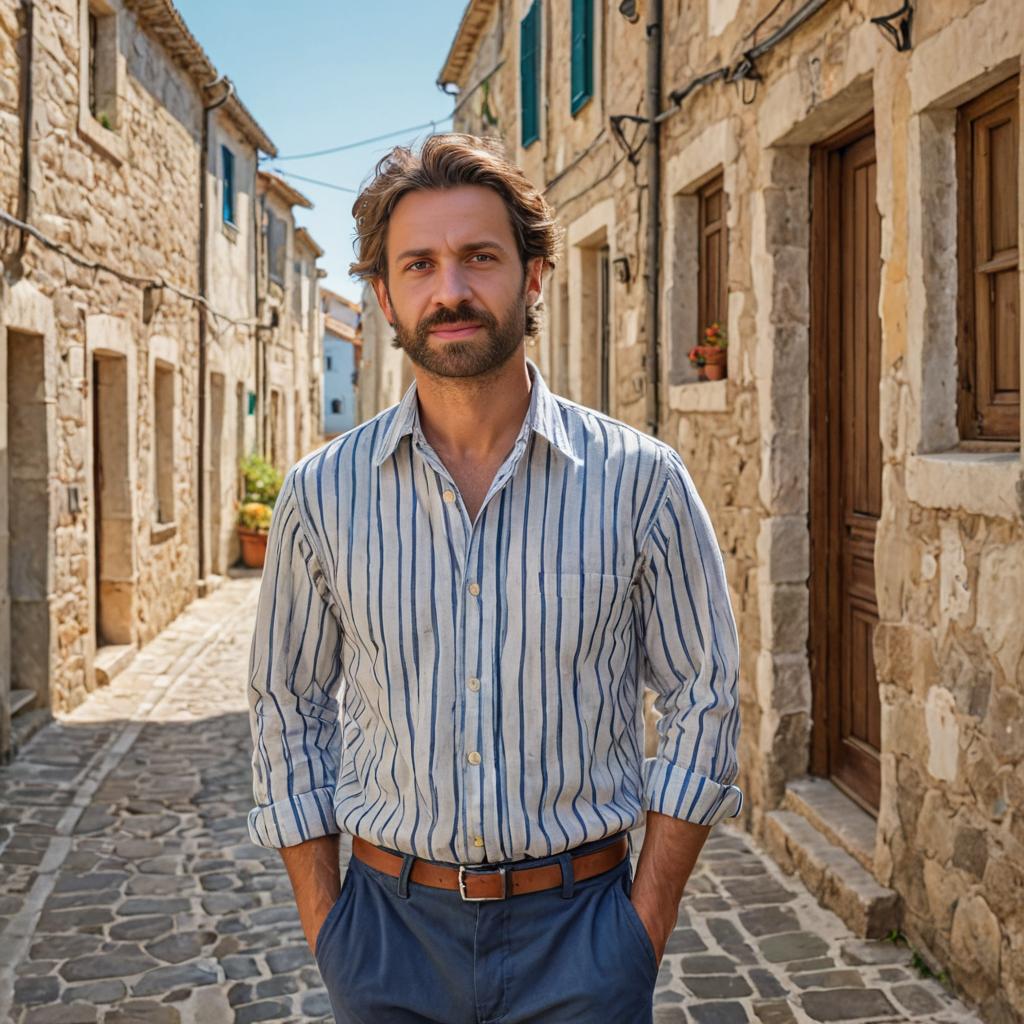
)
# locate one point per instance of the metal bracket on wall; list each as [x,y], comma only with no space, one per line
[898,34]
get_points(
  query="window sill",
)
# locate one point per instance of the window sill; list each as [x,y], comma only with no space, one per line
[160,532]
[698,396]
[982,483]
[229,229]
[106,140]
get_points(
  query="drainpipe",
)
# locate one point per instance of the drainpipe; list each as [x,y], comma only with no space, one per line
[653,260]
[28,53]
[204,147]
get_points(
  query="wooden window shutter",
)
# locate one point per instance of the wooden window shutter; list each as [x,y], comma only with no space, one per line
[989,317]
[529,67]
[582,75]
[712,256]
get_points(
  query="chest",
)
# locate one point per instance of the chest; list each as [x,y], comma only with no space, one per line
[473,481]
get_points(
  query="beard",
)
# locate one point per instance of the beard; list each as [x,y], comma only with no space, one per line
[464,358]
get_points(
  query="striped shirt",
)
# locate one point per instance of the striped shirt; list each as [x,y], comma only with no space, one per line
[472,690]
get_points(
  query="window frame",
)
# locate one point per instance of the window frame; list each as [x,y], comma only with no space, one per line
[581,55]
[705,230]
[529,75]
[983,419]
[229,192]
[164,426]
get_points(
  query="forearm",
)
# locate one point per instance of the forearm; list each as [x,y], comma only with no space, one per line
[670,850]
[316,881]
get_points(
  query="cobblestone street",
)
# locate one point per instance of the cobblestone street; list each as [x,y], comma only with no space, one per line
[130,891]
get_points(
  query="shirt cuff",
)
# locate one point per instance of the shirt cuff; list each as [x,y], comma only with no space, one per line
[294,820]
[684,794]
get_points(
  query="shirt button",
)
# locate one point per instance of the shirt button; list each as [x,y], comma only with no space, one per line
[448,496]
[474,589]
[478,840]
[473,757]
[474,684]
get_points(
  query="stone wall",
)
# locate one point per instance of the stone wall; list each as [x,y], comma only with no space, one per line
[949,557]
[116,184]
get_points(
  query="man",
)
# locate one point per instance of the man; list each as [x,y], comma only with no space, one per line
[462,602]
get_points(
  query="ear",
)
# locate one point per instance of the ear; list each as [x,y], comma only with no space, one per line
[534,279]
[380,289]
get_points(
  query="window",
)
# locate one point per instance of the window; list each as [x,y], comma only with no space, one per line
[582,73]
[330,363]
[529,74]
[277,236]
[101,67]
[336,406]
[298,284]
[988,130]
[227,181]
[712,256]
[163,441]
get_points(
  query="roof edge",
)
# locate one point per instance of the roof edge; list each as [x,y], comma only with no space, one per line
[474,17]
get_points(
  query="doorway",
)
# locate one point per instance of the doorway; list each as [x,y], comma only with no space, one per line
[216,489]
[113,526]
[28,523]
[846,462]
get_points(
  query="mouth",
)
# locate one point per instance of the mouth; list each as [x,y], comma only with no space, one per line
[455,332]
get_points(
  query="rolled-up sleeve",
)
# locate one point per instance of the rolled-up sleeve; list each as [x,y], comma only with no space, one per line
[692,657]
[294,677]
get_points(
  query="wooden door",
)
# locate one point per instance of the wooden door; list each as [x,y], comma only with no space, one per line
[846,455]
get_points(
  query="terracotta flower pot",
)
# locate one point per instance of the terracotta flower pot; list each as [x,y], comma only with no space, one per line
[254,547]
[714,361]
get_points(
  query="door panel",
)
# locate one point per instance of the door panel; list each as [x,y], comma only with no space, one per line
[846,463]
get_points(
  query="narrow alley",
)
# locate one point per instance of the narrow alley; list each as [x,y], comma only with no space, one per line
[129,891]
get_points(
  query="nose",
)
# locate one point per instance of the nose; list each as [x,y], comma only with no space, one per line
[451,285]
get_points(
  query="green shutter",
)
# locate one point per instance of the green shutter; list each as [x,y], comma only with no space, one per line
[582,80]
[529,65]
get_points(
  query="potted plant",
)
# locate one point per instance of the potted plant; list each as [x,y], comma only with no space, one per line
[710,357]
[262,486]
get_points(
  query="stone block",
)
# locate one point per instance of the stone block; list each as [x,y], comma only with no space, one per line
[836,880]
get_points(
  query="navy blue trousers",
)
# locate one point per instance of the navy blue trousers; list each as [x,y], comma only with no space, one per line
[393,952]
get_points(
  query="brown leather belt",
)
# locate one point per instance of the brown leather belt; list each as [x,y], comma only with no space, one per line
[481,883]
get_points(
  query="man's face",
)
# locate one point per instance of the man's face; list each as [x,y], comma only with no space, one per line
[456,292]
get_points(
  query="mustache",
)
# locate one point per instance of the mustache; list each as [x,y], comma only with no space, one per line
[460,314]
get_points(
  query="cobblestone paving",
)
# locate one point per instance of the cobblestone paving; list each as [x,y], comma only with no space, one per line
[129,891]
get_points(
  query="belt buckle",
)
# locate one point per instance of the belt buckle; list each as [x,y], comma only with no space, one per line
[482,899]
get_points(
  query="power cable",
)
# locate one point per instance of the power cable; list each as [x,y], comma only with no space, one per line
[315,181]
[362,142]
[122,275]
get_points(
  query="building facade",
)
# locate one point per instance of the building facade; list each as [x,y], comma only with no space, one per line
[291,343]
[842,197]
[342,352]
[130,316]
[384,372]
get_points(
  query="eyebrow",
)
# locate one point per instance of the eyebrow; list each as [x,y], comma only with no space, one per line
[420,253]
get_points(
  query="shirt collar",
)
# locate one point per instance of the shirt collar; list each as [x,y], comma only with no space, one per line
[544,416]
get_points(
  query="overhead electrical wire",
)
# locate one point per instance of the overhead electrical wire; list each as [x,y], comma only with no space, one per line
[361,142]
[314,181]
[138,280]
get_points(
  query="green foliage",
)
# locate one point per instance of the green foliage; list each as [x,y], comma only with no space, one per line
[105,121]
[262,480]
[918,962]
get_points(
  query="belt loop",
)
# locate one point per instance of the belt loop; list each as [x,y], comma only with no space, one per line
[568,875]
[403,879]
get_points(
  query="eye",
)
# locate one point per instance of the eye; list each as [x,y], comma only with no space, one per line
[482,256]
[417,264]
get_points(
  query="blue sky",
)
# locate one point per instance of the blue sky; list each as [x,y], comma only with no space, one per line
[318,73]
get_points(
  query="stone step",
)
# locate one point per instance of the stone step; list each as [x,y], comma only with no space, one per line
[111,660]
[21,700]
[834,815]
[26,724]
[834,878]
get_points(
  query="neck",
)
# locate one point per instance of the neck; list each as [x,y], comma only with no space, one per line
[475,419]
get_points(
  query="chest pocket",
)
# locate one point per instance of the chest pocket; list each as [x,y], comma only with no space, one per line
[583,613]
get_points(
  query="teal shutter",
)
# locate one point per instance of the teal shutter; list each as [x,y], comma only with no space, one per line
[529,67]
[582,75]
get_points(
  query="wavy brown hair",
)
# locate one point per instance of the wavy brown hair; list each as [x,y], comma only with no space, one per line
[448,161]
